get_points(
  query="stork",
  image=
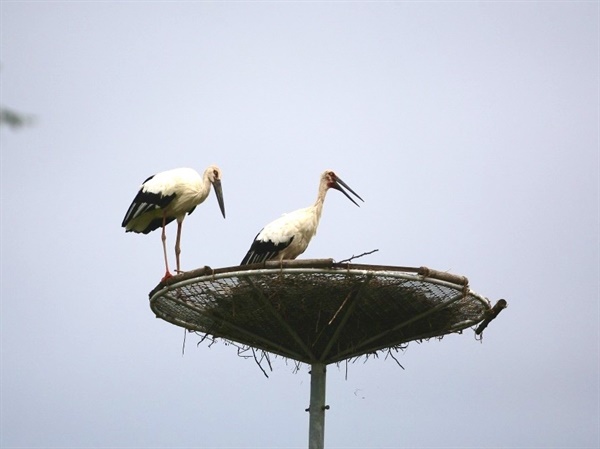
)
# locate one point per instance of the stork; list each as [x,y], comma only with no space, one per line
[168,196]
[289,236]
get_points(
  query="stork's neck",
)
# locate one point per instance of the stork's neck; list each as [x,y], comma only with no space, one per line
[201,188]
[205,187]
[318,206]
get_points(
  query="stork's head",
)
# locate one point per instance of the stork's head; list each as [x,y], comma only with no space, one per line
[213,173]
[333,181]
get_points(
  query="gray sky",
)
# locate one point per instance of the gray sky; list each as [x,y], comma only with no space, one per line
[469,128]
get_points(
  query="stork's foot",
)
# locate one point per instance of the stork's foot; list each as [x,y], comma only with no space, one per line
[166,276]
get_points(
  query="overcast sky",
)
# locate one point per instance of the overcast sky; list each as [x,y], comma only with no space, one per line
[469,128]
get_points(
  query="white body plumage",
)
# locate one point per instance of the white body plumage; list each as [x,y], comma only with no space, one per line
[295,230]
[174,193]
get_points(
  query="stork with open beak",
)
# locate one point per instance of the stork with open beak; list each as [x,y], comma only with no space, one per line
[168,196]
[289,236]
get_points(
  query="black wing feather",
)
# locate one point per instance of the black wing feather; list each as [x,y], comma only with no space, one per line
[155,224]
[146,201]
[261,251]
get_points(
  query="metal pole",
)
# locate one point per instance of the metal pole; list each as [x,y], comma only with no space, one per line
[316,428]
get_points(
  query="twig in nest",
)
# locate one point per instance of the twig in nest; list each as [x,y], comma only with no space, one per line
[340,308]
[365,357]
[297,366]
[241,350]
[266,356]
[360,255]
[392,356]
[204,337]
[258,362]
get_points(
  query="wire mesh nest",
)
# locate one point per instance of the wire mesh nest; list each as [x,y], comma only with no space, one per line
[317,310]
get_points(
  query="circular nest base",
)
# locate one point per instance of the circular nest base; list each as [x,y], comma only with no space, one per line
[318,311]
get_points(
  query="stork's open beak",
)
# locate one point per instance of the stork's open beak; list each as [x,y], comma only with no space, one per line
[219,192]
[340,185]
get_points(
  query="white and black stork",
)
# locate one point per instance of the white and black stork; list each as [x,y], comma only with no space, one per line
[168,196]
[289,236]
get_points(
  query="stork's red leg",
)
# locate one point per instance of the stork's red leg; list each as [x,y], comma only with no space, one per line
[164,243]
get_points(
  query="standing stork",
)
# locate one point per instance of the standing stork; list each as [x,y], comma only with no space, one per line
[289,236]
[168,196]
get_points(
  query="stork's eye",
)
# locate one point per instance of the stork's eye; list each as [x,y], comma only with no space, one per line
[216,174]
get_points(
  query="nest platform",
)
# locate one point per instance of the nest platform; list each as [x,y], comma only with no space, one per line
[319,311]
